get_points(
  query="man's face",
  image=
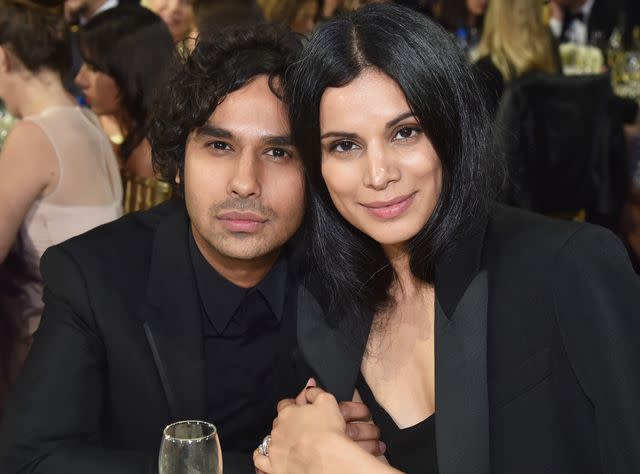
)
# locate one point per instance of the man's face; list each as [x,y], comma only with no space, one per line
[243,179]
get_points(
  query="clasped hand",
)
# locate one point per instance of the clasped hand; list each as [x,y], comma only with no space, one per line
[313,432]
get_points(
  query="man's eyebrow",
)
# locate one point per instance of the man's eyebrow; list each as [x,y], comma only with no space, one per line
[278,140]
[212,131]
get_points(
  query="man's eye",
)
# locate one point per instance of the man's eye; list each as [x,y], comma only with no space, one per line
[278,153]
[218,145]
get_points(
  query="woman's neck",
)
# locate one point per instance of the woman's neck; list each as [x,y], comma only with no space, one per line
[407,285]
[40,91]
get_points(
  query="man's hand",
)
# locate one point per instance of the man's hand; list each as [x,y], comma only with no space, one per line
[360,427]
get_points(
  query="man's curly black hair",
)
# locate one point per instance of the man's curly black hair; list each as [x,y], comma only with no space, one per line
[220,63]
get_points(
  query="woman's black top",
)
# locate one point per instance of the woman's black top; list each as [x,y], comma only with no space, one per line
[412,449]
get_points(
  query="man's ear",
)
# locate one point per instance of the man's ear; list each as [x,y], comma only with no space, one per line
[5,60]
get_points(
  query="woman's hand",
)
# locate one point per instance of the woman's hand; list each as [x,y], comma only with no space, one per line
[311,438]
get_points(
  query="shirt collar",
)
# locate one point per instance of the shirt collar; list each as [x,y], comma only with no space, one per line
[221,298]
[586,9]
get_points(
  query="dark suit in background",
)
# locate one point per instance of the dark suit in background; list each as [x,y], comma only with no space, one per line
[537,355]
[604,16]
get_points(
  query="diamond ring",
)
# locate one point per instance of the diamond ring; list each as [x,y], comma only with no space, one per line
[264,446]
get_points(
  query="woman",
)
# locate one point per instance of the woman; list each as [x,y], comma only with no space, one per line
[482,338]
[515,42]
[126,51]
[178,15]
[58,174]
[464,18]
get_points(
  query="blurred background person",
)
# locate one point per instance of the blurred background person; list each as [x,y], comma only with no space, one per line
[464,19]
[215,14]
[298,15]
[178,15]
[58,174]
[584,21]
[515,41]
[126,51]
[79,12]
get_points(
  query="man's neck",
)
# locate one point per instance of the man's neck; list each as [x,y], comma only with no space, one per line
[245,273]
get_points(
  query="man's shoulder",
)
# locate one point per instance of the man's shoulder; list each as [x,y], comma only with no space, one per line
[127,239]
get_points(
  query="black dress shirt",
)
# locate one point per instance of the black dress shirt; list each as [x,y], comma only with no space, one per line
[250,351]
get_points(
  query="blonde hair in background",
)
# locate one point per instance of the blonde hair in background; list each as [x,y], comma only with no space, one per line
[517,39]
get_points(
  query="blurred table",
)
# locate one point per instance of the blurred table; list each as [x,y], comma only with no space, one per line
[625,74]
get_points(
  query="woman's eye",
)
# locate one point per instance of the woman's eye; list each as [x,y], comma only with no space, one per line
[278,153]
[343,146]
[406,132]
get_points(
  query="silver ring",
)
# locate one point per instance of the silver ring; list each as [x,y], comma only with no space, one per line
[264,446]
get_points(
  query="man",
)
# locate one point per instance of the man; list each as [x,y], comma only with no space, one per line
[584,21]
[187,311]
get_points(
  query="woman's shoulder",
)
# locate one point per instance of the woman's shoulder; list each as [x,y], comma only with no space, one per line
[29,147]
[529,236]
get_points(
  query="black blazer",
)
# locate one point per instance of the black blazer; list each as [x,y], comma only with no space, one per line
[118,355]
[537,359]
[603,18]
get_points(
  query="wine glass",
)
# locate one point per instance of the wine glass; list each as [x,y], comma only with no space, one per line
[190,447]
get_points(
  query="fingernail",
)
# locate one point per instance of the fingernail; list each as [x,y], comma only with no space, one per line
[350,431]
[383,447]
[310,383]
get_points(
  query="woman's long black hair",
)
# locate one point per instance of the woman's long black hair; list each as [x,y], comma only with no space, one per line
[134,46]
[440,89]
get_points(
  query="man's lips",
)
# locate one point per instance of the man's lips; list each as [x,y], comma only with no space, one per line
[389,209]
[247,222]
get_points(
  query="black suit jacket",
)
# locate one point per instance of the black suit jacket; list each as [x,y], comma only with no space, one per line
[118,354]
[537,359]
[604,17]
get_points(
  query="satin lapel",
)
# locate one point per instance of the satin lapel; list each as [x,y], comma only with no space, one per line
[172,319]
[330,354]
[462,400]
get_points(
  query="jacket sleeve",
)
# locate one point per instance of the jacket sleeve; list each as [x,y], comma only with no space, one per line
[52,423]
[597,298]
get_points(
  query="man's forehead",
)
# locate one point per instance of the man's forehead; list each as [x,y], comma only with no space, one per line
[253,106]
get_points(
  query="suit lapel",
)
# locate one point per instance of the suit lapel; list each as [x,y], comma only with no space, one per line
[334,358]
[173,321]
[462,400]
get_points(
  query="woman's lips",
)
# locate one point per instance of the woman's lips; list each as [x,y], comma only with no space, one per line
[390,209]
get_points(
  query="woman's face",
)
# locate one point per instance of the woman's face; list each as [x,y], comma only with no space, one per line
[381,170]
[100,90]
[177,14]
[477,7]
